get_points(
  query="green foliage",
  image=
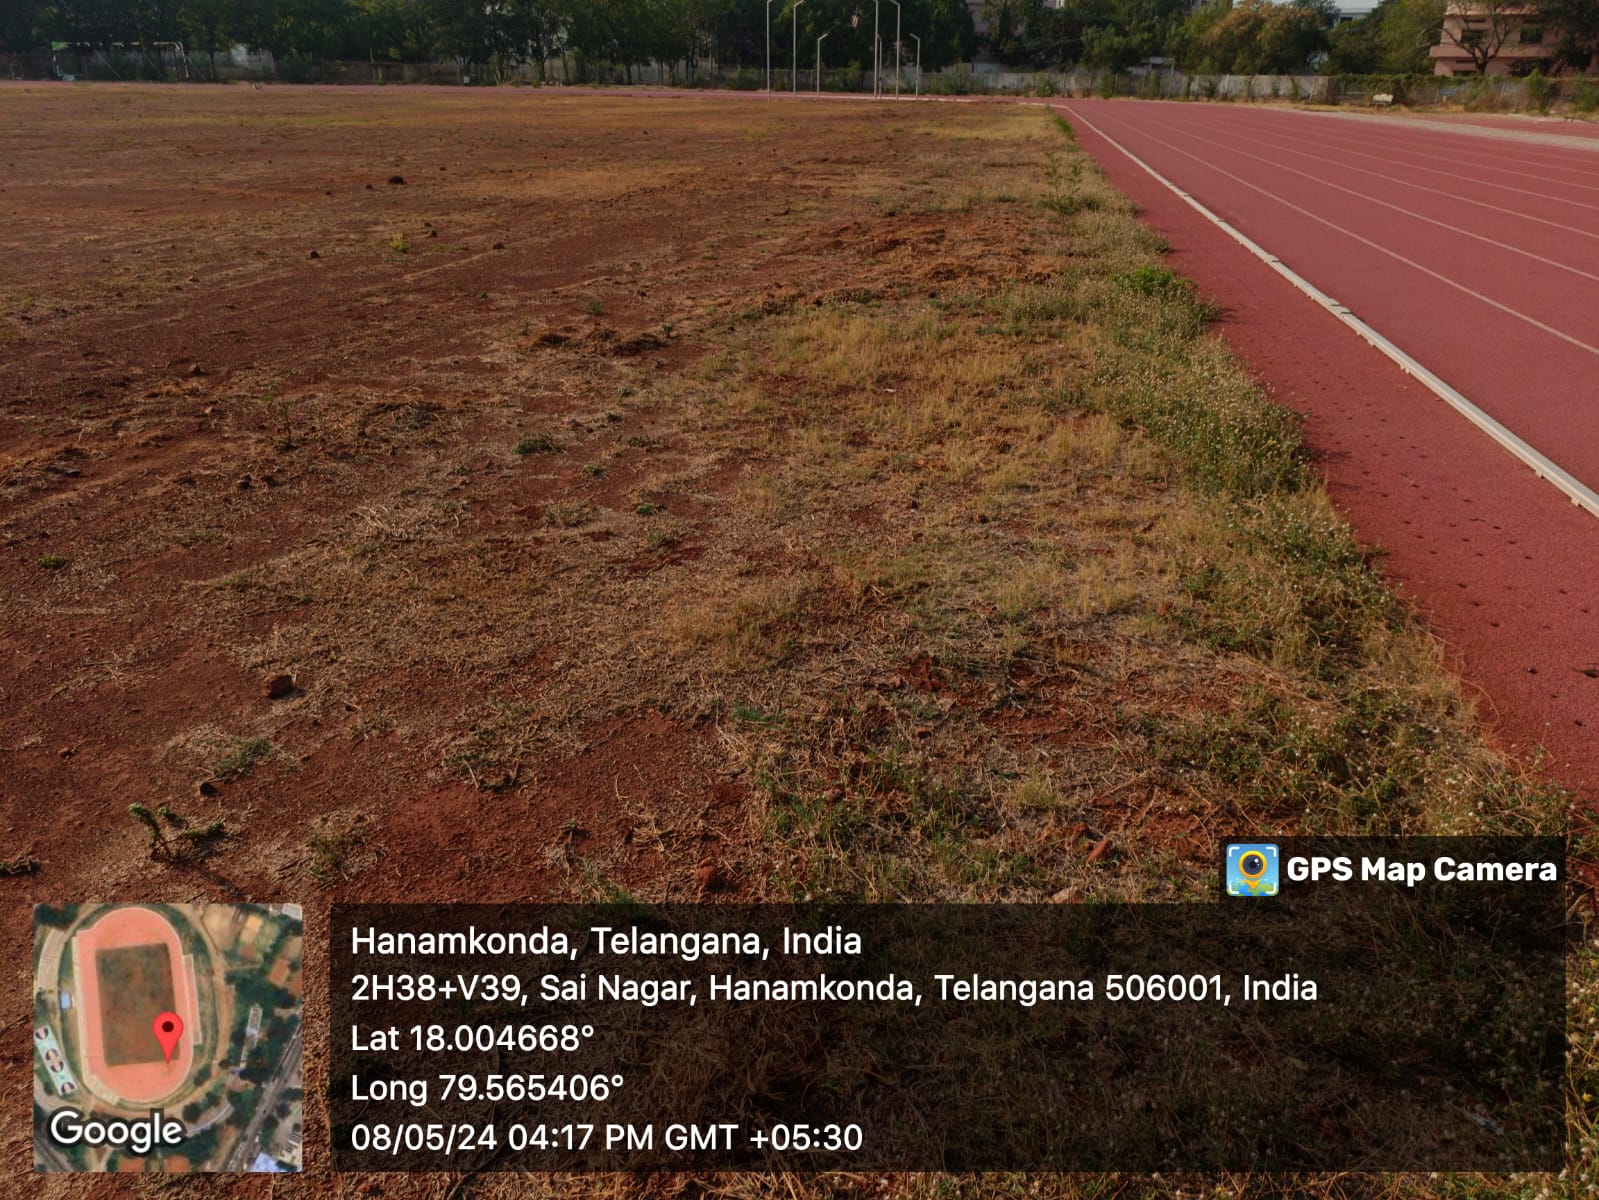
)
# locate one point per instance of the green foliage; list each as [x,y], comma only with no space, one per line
[1578,22]
[1540,92]
[1111,34]
[1072,187]
[186,840]
[1155,281]
[152,826]
[486,40]
[330,851]
[1256,37]
[242,757]
[1393,38]
[203,835]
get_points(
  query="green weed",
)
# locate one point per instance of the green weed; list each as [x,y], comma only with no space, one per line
[536,443]
[242,757]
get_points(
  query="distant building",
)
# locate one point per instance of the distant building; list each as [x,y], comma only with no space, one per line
[1513,39]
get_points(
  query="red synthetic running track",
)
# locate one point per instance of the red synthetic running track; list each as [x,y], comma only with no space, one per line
[1479,257]
[1563,126]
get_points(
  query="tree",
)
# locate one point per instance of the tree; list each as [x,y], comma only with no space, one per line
[309,27]
[1008,24]
[1189,41]
[1296,36]
[1257,37]
[460,32]
[1102,33]
[1355,47]
[18,20]
[1479,28]
[1410,28]
[1578,23]
[946,31]
[390,30]
[84,22]
[207,24]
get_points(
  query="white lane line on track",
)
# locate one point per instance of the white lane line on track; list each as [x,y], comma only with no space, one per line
[1349,233]
[1410,162]
[1528,139]
[1570,486]
[1491,161]
[1398,208]
[1421,187]
[1576,155]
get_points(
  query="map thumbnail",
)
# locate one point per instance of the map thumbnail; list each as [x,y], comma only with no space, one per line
[167,1037]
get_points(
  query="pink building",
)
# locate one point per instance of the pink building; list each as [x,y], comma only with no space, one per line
[1498,38]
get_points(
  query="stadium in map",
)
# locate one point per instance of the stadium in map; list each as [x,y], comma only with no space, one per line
[167,1038]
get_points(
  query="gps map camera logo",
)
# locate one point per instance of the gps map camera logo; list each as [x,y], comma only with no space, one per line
[1251,869]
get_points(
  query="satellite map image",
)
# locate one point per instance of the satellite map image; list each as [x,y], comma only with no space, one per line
[167,1037]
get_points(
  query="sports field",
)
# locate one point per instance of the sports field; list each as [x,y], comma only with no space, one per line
[130,969]
[660,497]
[135,986]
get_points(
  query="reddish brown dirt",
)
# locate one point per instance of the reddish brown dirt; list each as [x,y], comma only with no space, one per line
[213,355]
[264,357]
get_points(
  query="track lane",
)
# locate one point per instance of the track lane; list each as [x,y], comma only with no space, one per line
[1576,166]
[1559,126]
[1500,564]
[1238,153]
[1497,177]
[1418,193]
[1496,187]
[1450,309]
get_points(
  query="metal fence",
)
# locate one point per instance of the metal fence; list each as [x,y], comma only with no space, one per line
[1492,93]
[175,63]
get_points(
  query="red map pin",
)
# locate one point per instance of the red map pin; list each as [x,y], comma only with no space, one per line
[168,1029]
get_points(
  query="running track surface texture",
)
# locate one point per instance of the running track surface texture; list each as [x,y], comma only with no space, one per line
[1478,257]
[149,1081]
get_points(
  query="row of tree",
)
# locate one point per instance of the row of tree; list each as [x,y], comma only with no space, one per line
[1246,37]
[1259,37]
[1220,36]
[512,32]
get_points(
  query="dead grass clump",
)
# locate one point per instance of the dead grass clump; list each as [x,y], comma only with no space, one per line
[759,626]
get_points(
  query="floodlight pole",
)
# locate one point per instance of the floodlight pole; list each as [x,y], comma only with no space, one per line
[769,4]
[793,69]
[918,42]
[877,51]
[819,42]
[895,3]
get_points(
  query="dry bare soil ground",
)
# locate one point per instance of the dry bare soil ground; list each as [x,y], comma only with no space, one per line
[674,498]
